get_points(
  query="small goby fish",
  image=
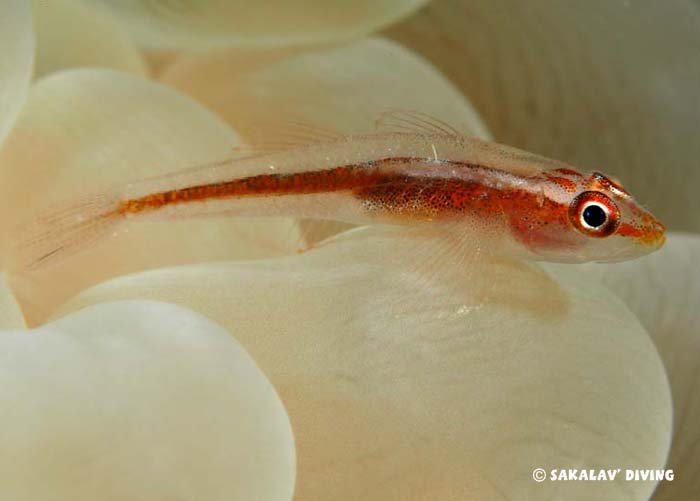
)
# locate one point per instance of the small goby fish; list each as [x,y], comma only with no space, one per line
[509,200]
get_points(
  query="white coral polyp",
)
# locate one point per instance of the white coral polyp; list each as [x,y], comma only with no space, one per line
[138,401]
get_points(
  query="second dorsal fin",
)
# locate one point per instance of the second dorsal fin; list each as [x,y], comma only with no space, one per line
[395,120]
[289,134]
[282,136]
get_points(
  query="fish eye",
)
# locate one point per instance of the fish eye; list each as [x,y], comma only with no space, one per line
[594,214]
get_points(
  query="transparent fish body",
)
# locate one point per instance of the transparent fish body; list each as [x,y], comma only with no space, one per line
[510,201]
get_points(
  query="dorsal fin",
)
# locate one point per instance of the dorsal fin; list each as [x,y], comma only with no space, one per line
[273,138]
[282,136]
[394,120]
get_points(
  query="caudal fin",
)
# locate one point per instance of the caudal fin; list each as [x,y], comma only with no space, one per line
[63,230]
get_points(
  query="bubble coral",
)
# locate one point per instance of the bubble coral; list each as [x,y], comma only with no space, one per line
[210,359]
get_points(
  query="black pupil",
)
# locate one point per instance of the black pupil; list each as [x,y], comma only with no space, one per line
[594,216]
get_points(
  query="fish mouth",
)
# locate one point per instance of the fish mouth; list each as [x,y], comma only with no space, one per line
[656,233]
[651,233]
[642,240]
[660,241]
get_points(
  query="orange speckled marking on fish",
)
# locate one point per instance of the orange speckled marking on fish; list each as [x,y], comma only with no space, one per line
[513,201]
[396,194]
[323,181]
[564,182]
[379,188]
[344,178]
[530,215]
[533,218]
[567,172]
[642,234]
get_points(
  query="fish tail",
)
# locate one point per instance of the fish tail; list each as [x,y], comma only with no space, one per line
[64,230]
